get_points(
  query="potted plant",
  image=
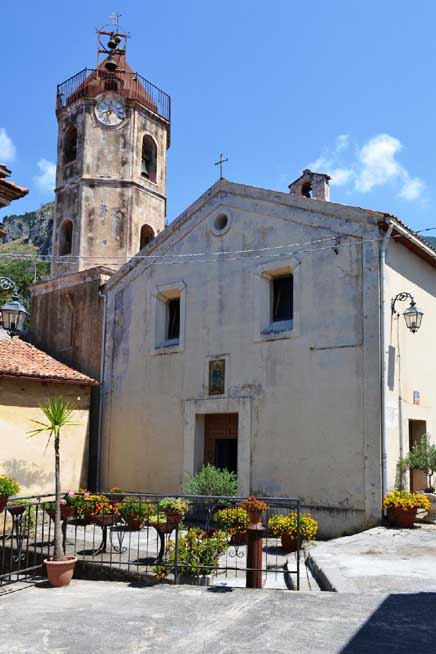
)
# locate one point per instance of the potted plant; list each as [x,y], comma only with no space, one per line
[233,520]
[197,556]
[90,501]
[254,508]
[174,509]
[105,514]
[136,512]
[402,506]
[212,484]
[68,508]
[115,495]
[8,487]
[285,527]
[422,457]
[57,411]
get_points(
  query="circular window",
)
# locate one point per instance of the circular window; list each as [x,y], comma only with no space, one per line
[221,224]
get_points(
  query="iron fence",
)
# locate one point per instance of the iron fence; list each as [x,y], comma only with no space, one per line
[205,540]
[90,82]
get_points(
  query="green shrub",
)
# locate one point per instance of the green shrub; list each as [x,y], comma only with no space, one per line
[8,486]
[211,481]
[197,554]
[422,457]
[136,509]
[173,505]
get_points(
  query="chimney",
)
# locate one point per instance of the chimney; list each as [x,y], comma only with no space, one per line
[311,185]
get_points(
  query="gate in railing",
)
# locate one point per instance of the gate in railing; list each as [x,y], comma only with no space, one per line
[205,540]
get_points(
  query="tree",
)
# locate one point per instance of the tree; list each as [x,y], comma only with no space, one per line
[58,413]
[422,457]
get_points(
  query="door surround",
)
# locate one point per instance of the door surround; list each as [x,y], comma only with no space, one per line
[239,405]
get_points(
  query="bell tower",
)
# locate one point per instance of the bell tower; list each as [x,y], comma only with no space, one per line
[113,135]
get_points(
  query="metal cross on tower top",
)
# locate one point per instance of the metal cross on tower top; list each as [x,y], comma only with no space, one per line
[220,164]
[115,19]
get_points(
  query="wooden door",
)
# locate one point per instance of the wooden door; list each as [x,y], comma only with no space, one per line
[221,440]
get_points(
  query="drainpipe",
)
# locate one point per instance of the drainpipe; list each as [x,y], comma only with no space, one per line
[101,294]
[383,361]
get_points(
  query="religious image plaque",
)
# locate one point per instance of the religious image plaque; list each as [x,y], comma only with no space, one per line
[217,375]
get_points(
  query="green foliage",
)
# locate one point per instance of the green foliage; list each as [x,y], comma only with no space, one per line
[24,272]
[8,486]
[280,525]
[422,457]
[211,481]
[400,476]
[134,508]
[197,554]
[173,505]
[233,520]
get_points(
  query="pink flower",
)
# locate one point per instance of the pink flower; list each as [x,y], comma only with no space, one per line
[70,493]
[86,494]
[63,502]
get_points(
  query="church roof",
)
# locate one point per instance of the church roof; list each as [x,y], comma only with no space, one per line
[8,190]
[21,360]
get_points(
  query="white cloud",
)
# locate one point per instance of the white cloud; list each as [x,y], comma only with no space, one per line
[412,189]
[7,147]
[47,177]
[375,164]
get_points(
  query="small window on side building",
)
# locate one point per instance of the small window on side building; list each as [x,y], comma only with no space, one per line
[282,298]
[173,316]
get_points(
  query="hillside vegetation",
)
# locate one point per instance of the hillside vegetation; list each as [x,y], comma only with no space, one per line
[29,233]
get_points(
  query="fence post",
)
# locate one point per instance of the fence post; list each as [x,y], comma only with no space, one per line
[254,556]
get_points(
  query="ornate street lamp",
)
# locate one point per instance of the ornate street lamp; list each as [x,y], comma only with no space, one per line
[412,315]
[12,313]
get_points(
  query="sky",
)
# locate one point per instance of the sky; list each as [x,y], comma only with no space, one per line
[343,87]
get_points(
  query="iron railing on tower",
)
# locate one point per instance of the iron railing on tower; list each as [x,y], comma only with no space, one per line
[88,84]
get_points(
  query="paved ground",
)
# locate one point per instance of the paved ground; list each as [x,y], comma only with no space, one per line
[380,559]
[114,617]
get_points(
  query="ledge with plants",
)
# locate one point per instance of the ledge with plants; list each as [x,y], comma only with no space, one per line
[234,521]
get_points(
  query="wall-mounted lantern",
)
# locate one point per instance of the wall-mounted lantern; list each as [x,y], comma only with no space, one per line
[12,313]
[412,315]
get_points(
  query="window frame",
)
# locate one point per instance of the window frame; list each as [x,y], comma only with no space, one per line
[164,294]
[265,329]
[152,179]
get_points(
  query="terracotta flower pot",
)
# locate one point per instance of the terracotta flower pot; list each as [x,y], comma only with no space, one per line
[240,538]
[17,509]
[60,573]
[404,518]
[105,519]
[254,516]
[66,512]
[289,543]
[135,522]
[114,498]
[173,519]
[3,502]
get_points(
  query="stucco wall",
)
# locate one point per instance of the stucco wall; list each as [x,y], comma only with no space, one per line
[23,458]
[310,401]
[412,363]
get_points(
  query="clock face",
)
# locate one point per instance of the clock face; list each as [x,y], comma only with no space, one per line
[110,111]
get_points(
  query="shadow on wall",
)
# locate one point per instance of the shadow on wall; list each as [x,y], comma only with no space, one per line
[404,622]
[27,474]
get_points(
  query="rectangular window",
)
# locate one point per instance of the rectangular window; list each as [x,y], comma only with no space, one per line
[282,298]
[173,317]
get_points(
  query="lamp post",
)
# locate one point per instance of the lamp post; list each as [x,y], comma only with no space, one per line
[12,313]
[412,315]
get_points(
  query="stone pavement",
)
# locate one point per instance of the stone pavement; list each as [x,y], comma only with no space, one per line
[115,617]
[381,559]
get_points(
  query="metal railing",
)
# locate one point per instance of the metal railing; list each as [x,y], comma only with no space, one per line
[135,536]
[90,82]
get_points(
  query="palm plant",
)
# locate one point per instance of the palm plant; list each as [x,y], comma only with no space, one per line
[58,414]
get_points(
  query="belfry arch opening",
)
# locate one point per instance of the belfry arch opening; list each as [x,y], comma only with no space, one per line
[148,158]
[70,145]
[146,235]
[66,238]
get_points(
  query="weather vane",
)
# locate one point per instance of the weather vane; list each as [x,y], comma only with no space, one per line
[115,19]
[220,164]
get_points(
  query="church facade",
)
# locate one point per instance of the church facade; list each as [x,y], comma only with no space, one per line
[248,336]
[260,331]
